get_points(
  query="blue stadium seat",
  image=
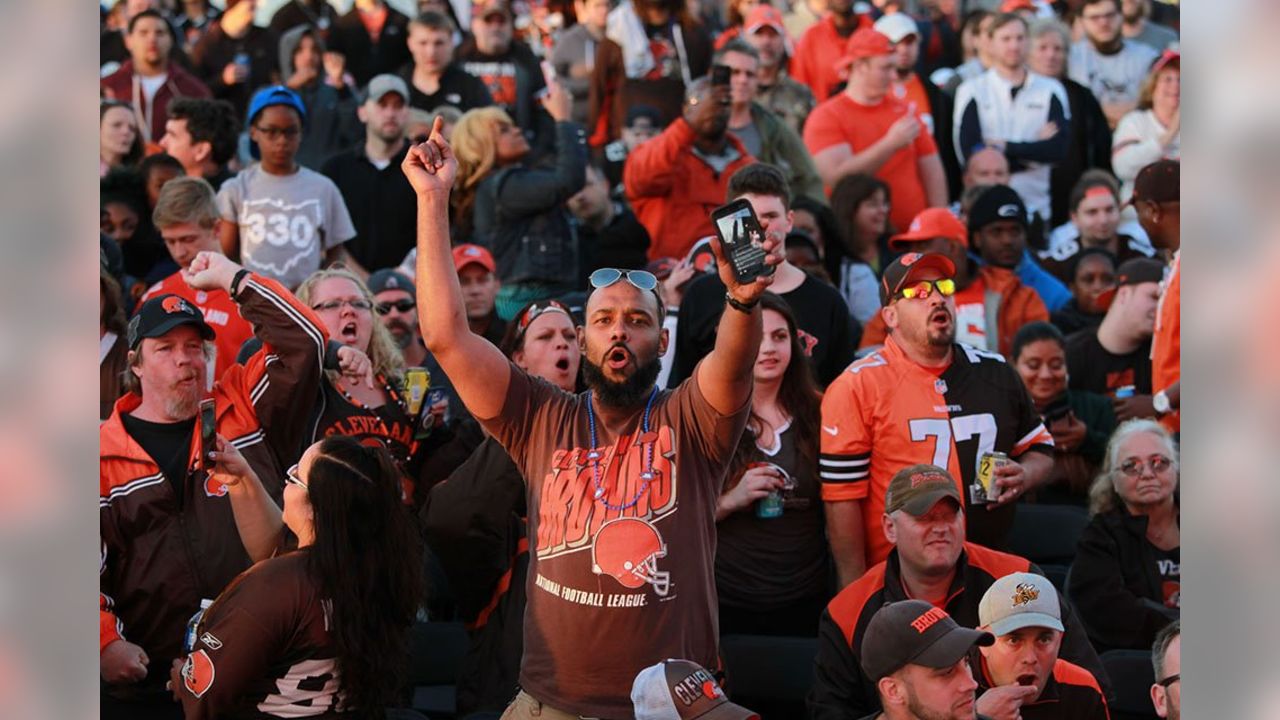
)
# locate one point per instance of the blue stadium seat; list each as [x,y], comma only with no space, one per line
[1047,534]
[436,650]
[1131,678]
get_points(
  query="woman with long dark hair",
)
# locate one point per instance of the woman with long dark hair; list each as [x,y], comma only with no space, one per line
[321,631]
[771,558]
[860,204]
[119,142]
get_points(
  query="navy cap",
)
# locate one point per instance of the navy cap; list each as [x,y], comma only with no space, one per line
[389,279]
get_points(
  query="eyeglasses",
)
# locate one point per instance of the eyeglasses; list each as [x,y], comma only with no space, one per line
[291,477]
[526,318]
[275,133]
[361,305]
[1134,467]
[641,279]
[1169,680]
[400,306]
[946,287]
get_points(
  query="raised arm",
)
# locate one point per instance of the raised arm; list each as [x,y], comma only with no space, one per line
[479,371]
[725,375]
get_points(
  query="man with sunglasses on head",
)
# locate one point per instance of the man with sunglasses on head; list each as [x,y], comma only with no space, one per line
[924,398]
[622,478]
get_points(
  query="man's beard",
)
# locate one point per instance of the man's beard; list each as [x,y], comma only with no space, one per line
[182,404]
[629,393]
[401,333]
[920,712]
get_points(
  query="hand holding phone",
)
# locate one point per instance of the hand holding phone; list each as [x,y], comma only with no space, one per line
[743,240]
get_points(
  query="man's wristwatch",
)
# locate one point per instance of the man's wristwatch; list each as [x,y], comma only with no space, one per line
[740,306]
[1160,401]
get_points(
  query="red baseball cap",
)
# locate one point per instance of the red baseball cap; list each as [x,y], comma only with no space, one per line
[464,255]
[765,16]
[1166,57]
[1009,6]
[932,223]
[867,43]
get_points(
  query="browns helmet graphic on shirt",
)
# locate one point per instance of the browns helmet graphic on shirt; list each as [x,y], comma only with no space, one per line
[198,673]
[628,550]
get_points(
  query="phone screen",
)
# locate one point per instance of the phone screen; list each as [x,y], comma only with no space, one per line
[740,231]
[208,432]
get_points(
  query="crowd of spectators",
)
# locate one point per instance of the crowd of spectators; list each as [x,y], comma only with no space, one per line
[358,258]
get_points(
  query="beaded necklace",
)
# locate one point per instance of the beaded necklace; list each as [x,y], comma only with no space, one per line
[394,397]
[594,455]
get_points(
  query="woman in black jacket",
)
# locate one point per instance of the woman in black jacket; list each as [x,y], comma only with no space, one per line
[1126,580]
[520,212]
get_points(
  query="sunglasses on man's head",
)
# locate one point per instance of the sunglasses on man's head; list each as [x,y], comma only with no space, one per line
[946,287]
[641,279]
[400,306]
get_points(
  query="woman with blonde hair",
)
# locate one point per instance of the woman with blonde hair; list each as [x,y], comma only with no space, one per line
[518,211]
[1126,580]
[1152,131]
[372,412]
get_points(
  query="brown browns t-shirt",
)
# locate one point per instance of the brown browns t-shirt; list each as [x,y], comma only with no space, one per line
[612,591]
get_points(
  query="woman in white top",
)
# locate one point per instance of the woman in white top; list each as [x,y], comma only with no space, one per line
[1151,132]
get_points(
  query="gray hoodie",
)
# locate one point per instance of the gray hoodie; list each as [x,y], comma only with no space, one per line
[331,125]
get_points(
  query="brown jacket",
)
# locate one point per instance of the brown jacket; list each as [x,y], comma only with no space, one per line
[160,559]
[1010,303]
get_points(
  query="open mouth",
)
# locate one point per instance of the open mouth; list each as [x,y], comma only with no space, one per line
[1027,679]
[940,316]
[618,358]
[562,364]
[348,333]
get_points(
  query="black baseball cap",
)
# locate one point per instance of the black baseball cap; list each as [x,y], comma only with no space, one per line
[999,202]
[1134,271]
[913,632]
[898,272]
[389,279]
[163,313]
[1158,182]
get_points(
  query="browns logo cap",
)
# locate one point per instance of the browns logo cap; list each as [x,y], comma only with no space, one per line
[999,202]
[1020,600]
[390,279]
[898,272]
[163,313]
[913,632]
[682,690]
[917,488]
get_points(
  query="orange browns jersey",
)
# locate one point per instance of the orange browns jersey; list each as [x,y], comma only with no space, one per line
[885,412]
[1166,344]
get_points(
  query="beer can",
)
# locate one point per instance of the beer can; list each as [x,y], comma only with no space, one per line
[1127,391]
[984,485]
[770,506]
[416,382]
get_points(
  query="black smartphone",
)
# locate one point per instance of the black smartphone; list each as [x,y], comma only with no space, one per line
[743,239]
[1056,410]
[208,433]
[720,74]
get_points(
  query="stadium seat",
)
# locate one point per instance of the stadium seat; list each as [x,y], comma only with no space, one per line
[1057,574]
[1047,534]
[770,675]
[1131,677]
[435,654]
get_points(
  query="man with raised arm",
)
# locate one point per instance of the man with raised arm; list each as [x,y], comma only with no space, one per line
[622,479]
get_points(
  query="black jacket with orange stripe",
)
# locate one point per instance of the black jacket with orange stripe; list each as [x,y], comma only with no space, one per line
[1072,693]
[841,691]
[160,559]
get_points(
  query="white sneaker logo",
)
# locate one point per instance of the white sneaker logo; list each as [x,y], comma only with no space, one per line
[832,431]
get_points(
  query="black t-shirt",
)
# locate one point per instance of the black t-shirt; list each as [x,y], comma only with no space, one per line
[457,88]
[1092,368]
[169,444]
[1169,568]
[828,331]
[764,563]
